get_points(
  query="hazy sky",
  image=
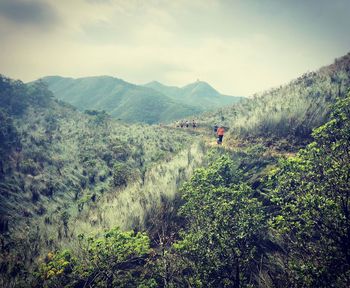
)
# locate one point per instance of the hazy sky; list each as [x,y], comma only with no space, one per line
[239,47]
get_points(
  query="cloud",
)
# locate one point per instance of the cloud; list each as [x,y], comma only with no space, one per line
[239,47]
[36,13]
[99,1]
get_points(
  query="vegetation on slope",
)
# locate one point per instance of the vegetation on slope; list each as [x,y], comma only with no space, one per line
[112,260]
[311,201]
[289,111]
[64,173]
[289,230]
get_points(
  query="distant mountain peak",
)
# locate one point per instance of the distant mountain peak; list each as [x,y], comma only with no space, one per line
[199,83]
[201,87]
[155,82]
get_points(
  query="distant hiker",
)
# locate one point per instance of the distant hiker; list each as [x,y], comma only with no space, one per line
[187,124]
[181,124]
[220,133]
[194,125]
[216,128]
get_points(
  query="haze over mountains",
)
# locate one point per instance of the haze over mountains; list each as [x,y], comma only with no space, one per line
[150,103]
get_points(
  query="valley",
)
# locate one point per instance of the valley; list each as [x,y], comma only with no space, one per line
[92,198]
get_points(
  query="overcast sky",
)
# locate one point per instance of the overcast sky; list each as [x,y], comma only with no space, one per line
[239,47]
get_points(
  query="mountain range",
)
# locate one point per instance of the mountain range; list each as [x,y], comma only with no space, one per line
[150,103]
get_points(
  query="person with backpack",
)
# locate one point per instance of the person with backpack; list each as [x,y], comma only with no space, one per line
[220,133]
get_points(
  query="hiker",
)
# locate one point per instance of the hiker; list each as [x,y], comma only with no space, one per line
[220,133]
[181,124]
[187,124]
[216,128]
[194,125]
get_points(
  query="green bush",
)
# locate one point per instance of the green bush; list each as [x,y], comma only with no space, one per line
[121,174]
[113,259]
[225,223]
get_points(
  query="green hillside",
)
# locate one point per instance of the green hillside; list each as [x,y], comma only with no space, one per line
[122,100]
[64,173]
[288,228]
[292,110]
[199,94]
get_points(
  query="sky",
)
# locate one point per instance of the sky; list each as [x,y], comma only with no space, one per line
[240,47]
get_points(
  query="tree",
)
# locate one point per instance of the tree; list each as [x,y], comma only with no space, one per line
[225,223]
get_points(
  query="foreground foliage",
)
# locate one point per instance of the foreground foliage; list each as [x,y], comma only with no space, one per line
[111,260]
[225,226]
[311,193]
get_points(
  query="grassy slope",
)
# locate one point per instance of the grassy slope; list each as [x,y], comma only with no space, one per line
[292,110]
[71,173]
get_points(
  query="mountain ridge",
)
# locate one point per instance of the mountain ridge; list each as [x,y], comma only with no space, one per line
[121,99]
[151,103]
[196,93]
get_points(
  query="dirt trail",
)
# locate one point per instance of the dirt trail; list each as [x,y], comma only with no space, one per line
[234,144]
